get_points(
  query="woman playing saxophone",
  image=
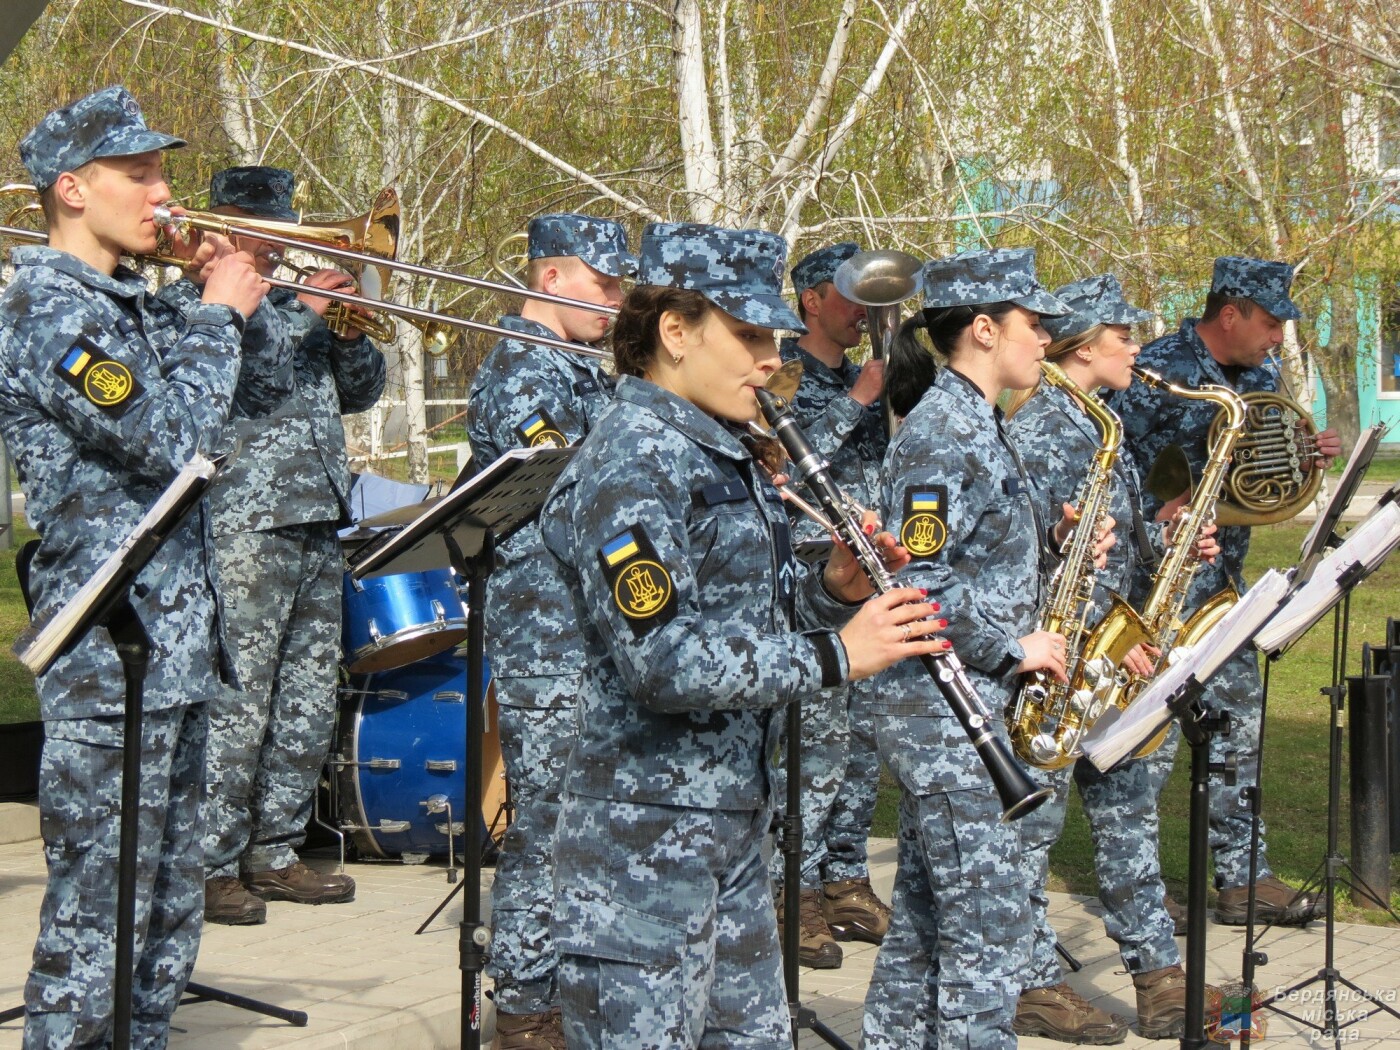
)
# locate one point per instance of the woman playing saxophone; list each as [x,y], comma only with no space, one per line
[1064,434]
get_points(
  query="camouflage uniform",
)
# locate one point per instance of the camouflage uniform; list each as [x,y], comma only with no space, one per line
[675,548]
[1057,442]
[840,767]
[278,567]
[105,392]
[954,491]
[1152,420]
[525,394]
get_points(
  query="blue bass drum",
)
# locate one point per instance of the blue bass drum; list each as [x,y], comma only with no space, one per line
[394,621]
[398,760]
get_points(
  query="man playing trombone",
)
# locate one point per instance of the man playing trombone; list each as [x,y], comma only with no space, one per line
[106,391]
[277,567]
[526,395]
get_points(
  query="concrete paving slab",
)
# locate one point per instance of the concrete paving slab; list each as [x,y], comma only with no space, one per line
[369,983]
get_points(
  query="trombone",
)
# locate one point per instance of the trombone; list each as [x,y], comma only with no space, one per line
[339,243]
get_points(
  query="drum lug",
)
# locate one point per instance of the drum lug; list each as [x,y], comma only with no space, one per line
[376,763]
[457,828]
[440,765]
[391,694]
[439,612]
[374,632]
[393,827]
[447,696]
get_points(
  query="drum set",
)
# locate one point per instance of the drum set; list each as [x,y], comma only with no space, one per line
[394,784]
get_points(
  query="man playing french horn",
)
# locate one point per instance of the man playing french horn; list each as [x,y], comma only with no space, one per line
[1229,345]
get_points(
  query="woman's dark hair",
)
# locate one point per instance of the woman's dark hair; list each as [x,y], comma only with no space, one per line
[636,334]
[911,367]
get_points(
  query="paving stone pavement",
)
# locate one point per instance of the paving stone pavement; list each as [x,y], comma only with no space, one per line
[369,983]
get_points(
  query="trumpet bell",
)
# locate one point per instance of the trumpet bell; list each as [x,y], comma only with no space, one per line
[880,278]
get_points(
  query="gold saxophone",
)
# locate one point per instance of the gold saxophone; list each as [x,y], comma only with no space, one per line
[1160,624]
[1050,717]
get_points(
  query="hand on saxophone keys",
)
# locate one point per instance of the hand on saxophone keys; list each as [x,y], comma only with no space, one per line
[1207,547]
[1103,542]
[1045,651]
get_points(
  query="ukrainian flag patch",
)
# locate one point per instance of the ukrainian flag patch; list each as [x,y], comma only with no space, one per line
[538,430]
[105,383]
[925,527]
[641,586]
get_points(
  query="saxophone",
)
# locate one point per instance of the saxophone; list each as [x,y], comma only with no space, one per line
[1160,624]
[1049,717]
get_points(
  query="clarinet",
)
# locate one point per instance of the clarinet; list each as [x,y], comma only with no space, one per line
[1018,793]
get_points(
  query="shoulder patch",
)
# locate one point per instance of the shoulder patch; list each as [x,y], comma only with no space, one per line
[538,429]
[641,586]
[925,528]
[106,383]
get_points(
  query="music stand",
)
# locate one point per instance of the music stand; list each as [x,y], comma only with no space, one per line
[462,530]
[105,601]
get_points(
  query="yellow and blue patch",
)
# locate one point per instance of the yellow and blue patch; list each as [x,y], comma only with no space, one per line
[105,383]
[925,527]
[537,430]
[641,586]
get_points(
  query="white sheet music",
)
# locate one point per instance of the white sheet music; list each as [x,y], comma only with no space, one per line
[1369,544]
[39,644]
[1116,735]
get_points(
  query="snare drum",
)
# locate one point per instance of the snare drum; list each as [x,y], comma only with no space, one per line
[399,755]
[393,621]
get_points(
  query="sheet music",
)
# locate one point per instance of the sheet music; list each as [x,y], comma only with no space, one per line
[1369,544]
[1118,734]
[372,495]
[40,644]
[1360,459]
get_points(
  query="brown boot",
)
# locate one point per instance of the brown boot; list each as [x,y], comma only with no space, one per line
[1276,904]
[815,945]
[1177,912]
[1161,1002]
[853,911]
[228,902]
[1062,1013]
[301,885]
[530,1031]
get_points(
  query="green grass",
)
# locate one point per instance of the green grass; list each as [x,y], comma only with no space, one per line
[1295,755]
[18,702]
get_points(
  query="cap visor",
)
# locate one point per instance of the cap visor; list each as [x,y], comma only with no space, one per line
[141,142]
[766,311]
[1042,302]
[1126,314]
[1284,311]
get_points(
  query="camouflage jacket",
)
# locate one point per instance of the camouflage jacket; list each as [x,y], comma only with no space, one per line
[523,395]
[1154,419]
[290,465]
[851,436]
[676,553]
[1057,442]
[105,392]
[953,491]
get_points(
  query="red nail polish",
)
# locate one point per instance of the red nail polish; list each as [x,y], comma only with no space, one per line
[923,591]
[870,530]
[942,624]
[947,644]
[934,605]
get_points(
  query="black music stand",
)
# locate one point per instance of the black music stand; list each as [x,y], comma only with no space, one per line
[105,601]
[1328,873]
[462,530]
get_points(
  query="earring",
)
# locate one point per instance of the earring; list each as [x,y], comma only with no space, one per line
[676,359]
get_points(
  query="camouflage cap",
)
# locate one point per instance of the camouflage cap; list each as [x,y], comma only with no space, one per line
[820,265]
[1094,301]
[740,271]
[258,189]
[107,123]
[1266,283]
[601,243]
[982,277]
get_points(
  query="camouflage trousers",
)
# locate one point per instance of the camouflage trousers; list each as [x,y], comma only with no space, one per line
[68,997]
[279,600]
[1237,690]
[665,927]
[948,972]
[840,781]
[535,743]
[1121,808]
